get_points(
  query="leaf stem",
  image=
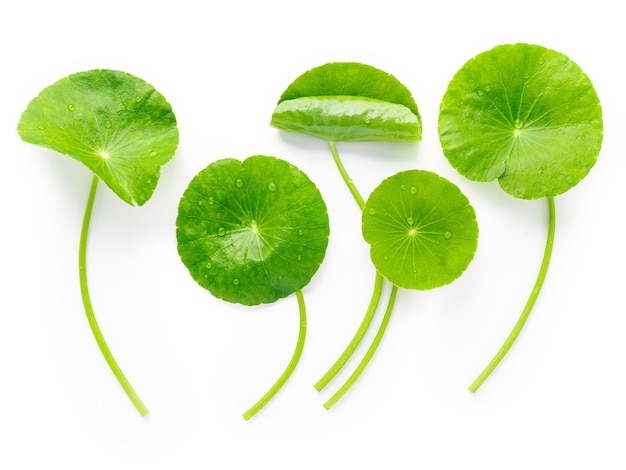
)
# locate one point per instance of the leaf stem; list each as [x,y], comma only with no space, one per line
[370,352]
[290,367]
[529,303]
[344,175]
[84,290]
[358,336]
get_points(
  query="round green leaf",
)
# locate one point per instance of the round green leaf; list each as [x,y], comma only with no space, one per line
[252,232]
[116,124]
[422,230]
[349,101]
[525,115]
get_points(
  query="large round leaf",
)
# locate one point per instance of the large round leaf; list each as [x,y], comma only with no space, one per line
[252,232]
[116,124]
[525,115]
[422,230]
[349,101]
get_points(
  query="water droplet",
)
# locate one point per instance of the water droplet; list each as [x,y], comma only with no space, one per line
[149,181]
[541,61]
[487,88]
[208,265]
[367,120]
[447,235]
[480,93]
[299,258]
[410,221]
[271,187]
[71,107]
[107,124]
[413,190]
[402,187]
[40,127]
[221,231]
[236,281]
[138,99]
[518,124]
[526,76]
[153,153]
[211,200]
[300,232]
[543,167]
[372,211]
[200,202]
[239,183]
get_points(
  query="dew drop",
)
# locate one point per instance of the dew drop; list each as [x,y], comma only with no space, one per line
[543,167]
[372,211]
[138,99]
[107,124]
[211,200]
[447,235]
[71,107]
[300,232]
[526,76]
[487,88]
[236,281]
[413,190]
[271,187]
[153,153]
[480,93]
[518,124]
[200,202]
[221,231]
[239,183]
[208,265]
[40,127]
[410,221]
[299,258]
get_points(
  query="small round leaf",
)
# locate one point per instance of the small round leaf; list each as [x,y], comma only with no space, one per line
[422,230]
[252,232]
[525,115]
[349,101]
[116,124]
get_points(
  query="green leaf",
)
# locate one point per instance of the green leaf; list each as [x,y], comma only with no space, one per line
[525,115]
[422,230]
[254,231]
[348,101]
[116,124]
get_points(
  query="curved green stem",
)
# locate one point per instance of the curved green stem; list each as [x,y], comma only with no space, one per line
[290,367]
[529,303]
[84,290]
[370,352]
[344,175]
[365,323]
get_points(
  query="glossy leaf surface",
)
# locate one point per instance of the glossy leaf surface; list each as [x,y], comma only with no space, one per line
[525,115]
[349,101]
[116,124]
[422,230]
[252,232]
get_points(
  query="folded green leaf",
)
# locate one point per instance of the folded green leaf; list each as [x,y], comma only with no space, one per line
[348,101]
[116,124]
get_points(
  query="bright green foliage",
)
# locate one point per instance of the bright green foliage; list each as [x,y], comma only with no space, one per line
[116,124]
[525,115]
[254,231]
[422,230]
[348,101]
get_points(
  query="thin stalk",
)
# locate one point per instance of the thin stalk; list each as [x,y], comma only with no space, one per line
[347,353]
[84,290]
[346,178]
[370,352]
[290,367]
[529,303]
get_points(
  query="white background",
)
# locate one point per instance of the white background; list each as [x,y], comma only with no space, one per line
[558,400]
